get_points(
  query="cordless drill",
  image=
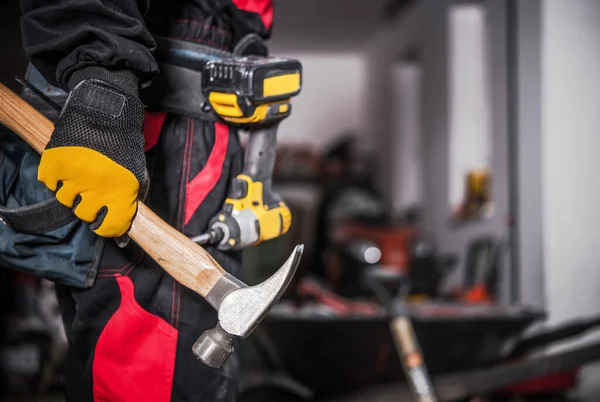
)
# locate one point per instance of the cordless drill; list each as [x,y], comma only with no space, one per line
[254,94]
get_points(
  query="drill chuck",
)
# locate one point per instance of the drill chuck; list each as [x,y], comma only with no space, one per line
[213,236]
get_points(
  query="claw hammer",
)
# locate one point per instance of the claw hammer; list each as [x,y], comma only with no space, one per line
[240,307]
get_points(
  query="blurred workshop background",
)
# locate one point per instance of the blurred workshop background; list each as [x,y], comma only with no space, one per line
[441,162]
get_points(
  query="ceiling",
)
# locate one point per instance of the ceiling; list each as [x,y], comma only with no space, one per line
[326,25]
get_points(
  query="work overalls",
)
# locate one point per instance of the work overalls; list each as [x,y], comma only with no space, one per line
[131,333]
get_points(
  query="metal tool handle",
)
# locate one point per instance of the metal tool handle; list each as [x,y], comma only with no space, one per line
[412,359]
[184,260]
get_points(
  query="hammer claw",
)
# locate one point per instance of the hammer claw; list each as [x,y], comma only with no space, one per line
[243,309]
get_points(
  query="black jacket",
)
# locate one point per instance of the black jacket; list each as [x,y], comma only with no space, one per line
[69,40]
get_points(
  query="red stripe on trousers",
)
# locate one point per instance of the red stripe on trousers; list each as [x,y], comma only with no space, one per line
[199,187]
[153,123]
[264,8]
[134,359]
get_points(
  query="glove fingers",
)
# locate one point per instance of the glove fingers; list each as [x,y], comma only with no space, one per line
[88,208]
[66,193]
[115,220]
[48,176]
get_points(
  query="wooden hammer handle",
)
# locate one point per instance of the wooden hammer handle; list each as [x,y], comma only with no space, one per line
[411,357]
[184,260]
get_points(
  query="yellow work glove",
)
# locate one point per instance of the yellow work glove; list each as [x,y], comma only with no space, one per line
[95,158]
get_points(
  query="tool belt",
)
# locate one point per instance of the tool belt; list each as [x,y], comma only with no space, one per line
[38,235]
[177,89]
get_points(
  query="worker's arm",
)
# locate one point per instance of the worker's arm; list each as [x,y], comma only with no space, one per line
[70,40]
[100,52]
[250,16]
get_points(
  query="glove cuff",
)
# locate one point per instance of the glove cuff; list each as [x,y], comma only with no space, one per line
[122,79]
[101,117]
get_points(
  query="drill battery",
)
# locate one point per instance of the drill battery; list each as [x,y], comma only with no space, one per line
[251,89]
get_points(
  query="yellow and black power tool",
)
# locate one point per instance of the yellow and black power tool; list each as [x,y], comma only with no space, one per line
[254,94]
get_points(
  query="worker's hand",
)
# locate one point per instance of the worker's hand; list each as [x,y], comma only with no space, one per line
[95,158]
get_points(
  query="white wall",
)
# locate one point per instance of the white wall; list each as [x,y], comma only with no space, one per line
[332,99]
[571,162]
[469,98]
[407,187]
[330,46]
[424,30]
[570,154]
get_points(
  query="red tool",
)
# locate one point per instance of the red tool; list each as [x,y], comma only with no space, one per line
[310,288]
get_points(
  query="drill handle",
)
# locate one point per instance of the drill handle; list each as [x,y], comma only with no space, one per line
[259,159]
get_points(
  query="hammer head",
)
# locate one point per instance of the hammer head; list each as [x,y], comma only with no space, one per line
[240,309]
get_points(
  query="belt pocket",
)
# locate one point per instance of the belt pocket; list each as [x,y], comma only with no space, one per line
[38,235]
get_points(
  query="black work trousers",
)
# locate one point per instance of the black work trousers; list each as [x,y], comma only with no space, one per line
[131,334]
